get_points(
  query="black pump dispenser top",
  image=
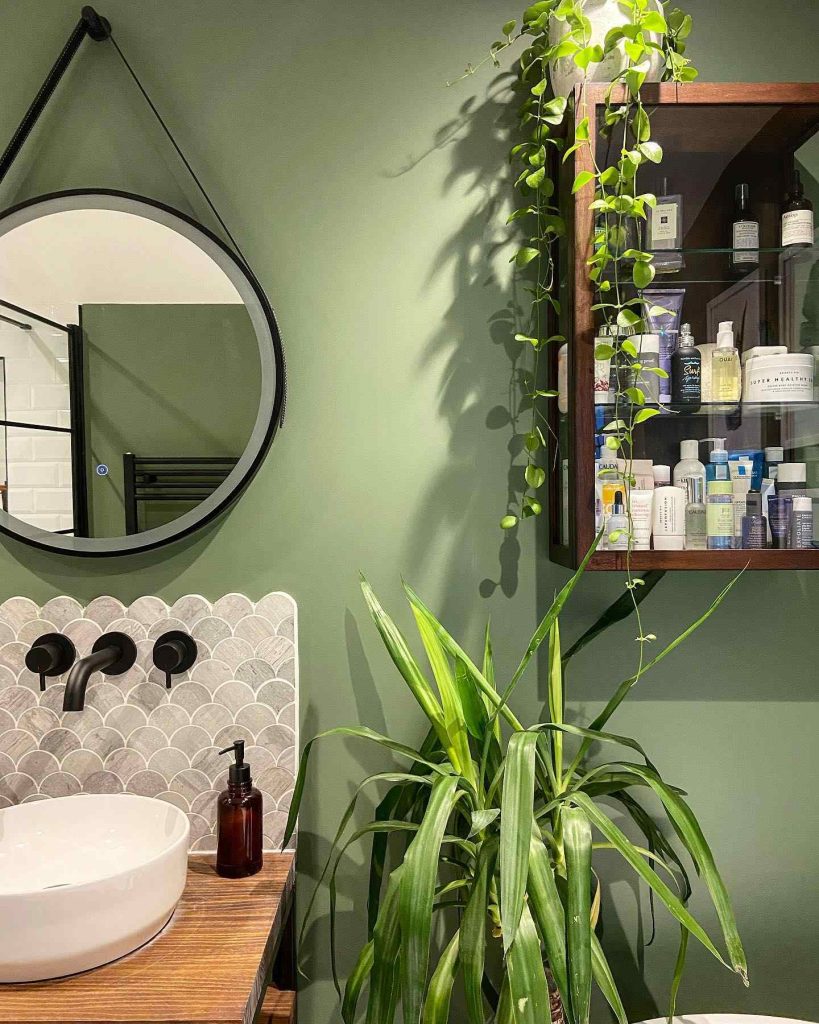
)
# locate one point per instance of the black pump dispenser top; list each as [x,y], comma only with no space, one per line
[238,772]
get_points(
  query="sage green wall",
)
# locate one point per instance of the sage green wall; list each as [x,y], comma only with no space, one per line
[171,379]
[366,196]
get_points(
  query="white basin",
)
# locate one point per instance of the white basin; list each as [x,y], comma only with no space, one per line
[86,879]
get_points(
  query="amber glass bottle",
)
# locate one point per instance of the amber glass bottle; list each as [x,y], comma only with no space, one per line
[239,820]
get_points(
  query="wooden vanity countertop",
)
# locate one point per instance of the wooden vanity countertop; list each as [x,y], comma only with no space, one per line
[210,963]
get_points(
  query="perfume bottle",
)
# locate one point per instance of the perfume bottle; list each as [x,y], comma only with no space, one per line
[745,254]
[797,216]
[726,371]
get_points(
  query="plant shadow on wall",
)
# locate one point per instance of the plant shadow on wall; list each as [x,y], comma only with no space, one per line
[474,345]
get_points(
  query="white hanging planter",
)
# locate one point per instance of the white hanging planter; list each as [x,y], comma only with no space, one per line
[604,15]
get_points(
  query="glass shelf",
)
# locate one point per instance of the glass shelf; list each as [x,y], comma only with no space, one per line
[725,409]
[711,265]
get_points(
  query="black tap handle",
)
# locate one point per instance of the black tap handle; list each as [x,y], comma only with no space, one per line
[50,655]
[174,652]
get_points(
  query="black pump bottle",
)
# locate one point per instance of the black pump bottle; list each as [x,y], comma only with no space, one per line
[239,820]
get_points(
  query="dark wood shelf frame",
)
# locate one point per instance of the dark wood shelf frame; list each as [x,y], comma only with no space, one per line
[577,323]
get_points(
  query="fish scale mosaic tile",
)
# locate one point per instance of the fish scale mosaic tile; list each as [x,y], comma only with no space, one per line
[135,736]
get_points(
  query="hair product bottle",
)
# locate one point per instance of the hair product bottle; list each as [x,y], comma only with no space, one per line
[726,371]
[686,373]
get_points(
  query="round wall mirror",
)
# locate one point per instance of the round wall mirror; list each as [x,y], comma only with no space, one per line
[141,373]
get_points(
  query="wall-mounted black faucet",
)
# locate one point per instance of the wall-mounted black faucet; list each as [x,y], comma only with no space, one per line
[50,655]
[112,653]
[174,652]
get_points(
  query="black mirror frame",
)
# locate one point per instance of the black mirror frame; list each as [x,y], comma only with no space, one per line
[268,420]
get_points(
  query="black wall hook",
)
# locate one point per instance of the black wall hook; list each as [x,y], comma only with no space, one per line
[174,652]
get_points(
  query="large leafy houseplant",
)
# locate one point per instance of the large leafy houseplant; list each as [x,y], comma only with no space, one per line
[487,836]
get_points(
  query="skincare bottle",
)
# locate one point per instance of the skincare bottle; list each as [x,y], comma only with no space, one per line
[740,486]
[774,457]
[669,518]
[686,373]
[719,515]
[797,215]
[640,510]
[642,474]
[238,820]
[665,231]
[726,370]
[780,510]
[754,523]
[706,352]
[603,394]
[745,254]
[717,468]
[689,465]
[696,534]
[801,528]
[662,476]
[791,478]
[617,532]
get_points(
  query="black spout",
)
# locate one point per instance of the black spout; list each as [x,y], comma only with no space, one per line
[112,653]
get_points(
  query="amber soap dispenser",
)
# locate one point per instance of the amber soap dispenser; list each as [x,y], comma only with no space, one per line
[239,820]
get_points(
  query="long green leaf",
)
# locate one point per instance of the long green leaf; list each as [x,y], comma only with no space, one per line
[453,708]
[624,687]
[416,896]
[359,732]
[439,992]
[473,935]
[489,675]
[688,828]
[577,844]
[456,651]
[396,804]
[679,967]
[605,980]
[405,662]
[625,605]
[472,701]
[556,697]
[528,988]
[545,625]
[383,996]
[355,983]
[515,827]
[549,914]
[403,778]
[626,849]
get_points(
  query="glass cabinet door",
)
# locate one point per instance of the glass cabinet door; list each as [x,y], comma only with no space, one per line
[723,466]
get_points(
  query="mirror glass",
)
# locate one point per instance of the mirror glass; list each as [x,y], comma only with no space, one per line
[137,373]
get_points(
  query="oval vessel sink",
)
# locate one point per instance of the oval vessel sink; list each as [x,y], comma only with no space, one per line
[86,879]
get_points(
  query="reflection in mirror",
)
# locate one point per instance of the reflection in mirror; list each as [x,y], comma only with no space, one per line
[130,373]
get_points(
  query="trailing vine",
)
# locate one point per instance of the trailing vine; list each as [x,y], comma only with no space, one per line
[560,30]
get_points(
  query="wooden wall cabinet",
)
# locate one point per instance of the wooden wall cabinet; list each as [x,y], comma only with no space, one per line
[714,136]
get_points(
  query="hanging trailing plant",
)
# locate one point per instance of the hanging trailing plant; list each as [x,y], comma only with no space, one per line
[562,45]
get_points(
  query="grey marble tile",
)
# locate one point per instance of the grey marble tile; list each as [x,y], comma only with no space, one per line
[16,786]
[61,611]
[104,611]
[136,736]
[60,784]
[232,608]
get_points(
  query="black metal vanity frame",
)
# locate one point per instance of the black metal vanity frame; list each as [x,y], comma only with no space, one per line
[98,28]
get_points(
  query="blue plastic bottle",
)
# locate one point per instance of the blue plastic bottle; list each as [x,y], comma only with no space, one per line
[717,468]
[718,498]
